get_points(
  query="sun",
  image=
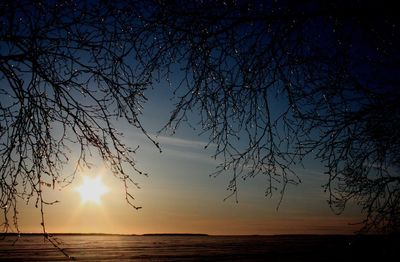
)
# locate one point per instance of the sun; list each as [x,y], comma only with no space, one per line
[91,190]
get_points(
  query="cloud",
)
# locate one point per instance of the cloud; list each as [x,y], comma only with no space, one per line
[180,142]
[176,147]
[168,140]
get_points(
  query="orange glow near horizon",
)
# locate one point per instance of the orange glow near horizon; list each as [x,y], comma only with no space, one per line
[179,197]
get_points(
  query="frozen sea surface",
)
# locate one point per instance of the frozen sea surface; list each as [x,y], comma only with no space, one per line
[195,248]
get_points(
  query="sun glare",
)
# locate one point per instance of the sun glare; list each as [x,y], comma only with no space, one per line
[91,190]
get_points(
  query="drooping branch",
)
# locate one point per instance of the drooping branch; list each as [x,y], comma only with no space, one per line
[276,82]
[66,74]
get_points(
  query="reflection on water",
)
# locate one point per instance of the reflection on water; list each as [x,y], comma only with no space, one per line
[195,248]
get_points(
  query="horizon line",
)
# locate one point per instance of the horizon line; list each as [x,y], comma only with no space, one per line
[163,234]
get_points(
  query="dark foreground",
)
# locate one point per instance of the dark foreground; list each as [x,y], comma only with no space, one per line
[197,248]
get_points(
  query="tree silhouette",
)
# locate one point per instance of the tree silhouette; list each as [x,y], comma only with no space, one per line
[66,73]
[273,82]
[290,79]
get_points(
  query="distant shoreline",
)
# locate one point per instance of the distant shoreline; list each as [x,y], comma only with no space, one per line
[170,234]
[176,234]
[101,234]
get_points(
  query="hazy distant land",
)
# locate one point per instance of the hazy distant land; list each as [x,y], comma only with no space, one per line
[101,234]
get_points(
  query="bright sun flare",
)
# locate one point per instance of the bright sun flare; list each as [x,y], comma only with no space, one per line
[91,190]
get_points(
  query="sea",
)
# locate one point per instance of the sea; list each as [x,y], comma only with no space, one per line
[188,247]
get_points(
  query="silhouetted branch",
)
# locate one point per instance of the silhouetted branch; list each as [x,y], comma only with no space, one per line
[275,82]
[66,73]
[272,82]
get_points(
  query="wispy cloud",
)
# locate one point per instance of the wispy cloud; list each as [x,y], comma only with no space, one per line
[169,140]
[180,142]
[176,147]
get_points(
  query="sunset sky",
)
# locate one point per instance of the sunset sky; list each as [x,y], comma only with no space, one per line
[179,195]
[274,84]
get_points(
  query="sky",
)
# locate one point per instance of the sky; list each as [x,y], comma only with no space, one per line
[180,196]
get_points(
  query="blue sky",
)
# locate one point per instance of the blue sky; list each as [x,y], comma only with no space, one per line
[180,196]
